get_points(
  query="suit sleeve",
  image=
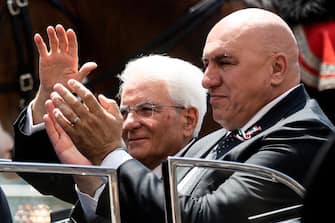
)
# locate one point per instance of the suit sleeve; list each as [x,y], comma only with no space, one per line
[38,148]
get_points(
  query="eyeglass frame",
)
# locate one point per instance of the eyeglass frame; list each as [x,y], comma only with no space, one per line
[145,107]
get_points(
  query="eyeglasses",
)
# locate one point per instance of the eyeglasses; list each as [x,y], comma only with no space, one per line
[145,109]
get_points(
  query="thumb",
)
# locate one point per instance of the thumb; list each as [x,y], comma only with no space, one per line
[109,105]
[86,69]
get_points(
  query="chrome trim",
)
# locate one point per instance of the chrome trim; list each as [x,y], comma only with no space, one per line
[267,216]
[83,170]
[174,162]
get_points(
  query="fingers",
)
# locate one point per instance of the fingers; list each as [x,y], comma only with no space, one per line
[62,37]
[73,43]
[86,69]
[86,95]
[49,107]
[109,105]
[69,107]
[53,40]
[59,41]
[73,107]
[51,129]
[50,117]
[41,47]
[63,146]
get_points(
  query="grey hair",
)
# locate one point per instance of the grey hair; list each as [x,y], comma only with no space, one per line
[182,78]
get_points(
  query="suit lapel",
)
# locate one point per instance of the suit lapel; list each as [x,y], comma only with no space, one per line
[284,108]
[200,149]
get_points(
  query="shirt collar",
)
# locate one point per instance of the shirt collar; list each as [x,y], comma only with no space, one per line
[158,169]
[266,108]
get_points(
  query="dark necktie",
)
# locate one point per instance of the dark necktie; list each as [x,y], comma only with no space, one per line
[227,143]
[234,138]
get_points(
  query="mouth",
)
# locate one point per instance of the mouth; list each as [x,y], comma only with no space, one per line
[216,98]
[134,140]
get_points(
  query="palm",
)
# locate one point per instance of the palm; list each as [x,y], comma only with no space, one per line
[58,68]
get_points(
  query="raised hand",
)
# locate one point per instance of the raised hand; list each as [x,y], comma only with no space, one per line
[57,65]
[94,128]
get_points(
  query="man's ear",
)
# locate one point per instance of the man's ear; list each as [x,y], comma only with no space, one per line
[191,117]
[279,68]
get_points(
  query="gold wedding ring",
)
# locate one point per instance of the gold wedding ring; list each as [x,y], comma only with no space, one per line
[75,120]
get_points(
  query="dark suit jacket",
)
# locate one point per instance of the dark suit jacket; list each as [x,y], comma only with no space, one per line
[320,189]
[5,214]
[292,132]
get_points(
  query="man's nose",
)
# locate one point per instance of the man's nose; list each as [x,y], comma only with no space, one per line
[211,77]
[132,121]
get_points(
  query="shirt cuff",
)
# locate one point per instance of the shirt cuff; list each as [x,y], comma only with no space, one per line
[29,127]
[116,158]
[112,160]
[88,203]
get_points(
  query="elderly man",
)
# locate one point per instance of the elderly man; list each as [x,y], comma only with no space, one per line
[252,76]
[162,102]
[163,106]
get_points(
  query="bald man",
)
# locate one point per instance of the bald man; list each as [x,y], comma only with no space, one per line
[267,118]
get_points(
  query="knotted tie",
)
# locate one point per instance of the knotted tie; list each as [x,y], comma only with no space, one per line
[234,138]
[227,143]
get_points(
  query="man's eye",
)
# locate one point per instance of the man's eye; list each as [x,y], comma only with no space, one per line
[145,109]
[223,63]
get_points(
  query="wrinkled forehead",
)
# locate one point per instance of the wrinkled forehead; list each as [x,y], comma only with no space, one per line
[229,42]
[232,37]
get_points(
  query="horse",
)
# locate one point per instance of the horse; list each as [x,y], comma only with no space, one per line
[109,33]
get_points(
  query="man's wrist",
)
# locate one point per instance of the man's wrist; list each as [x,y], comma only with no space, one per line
[38,105]
[29,127]
[89,184]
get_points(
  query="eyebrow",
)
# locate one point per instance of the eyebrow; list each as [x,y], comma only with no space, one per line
[219,57]
[148,101]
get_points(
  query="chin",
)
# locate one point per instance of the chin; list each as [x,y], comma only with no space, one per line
[137,152]
[217,116]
